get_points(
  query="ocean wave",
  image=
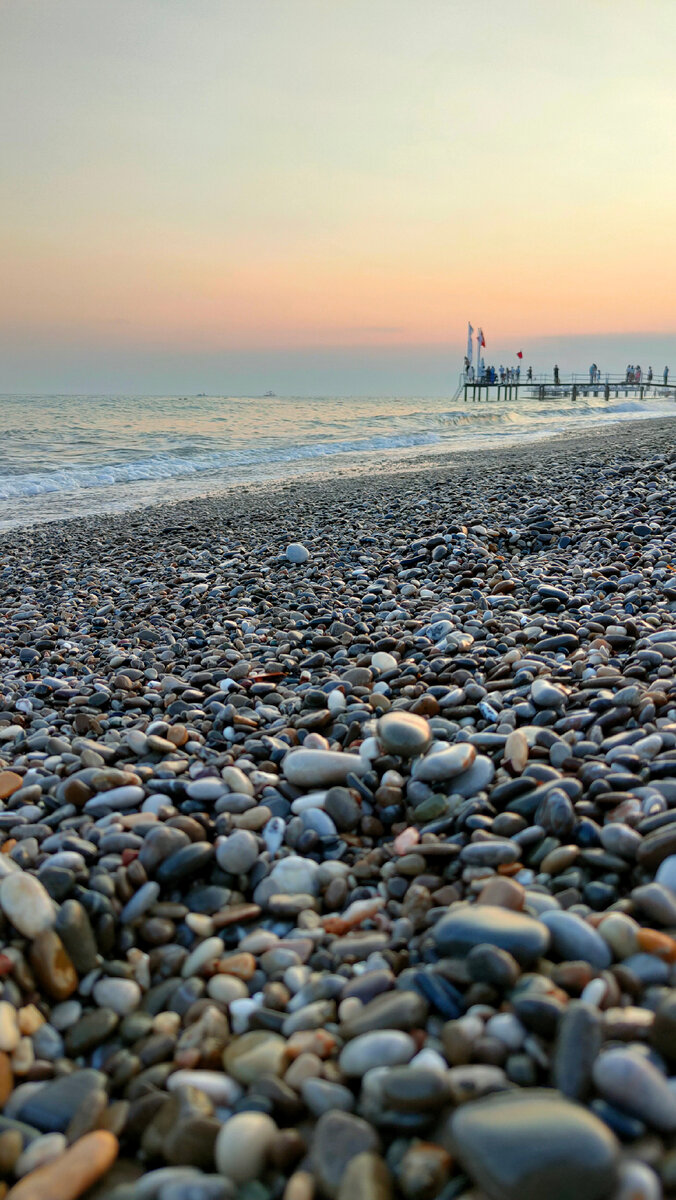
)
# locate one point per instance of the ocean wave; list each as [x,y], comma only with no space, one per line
[75,477]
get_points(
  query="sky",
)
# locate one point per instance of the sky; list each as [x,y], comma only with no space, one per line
[315,196]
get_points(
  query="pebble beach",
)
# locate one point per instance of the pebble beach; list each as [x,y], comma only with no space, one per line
[338,836]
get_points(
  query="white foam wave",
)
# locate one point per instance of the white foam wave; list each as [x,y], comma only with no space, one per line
[75,477]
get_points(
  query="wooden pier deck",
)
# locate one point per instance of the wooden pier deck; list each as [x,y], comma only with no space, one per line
[541,387]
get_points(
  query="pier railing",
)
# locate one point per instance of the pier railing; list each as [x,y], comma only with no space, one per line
[542,385]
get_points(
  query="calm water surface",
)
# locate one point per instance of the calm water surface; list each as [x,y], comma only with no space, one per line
[72,455]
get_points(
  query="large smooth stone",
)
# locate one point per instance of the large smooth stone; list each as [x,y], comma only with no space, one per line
[243,1145]
[404,733]
[445,764]
[473,925]
[27,904]
[321,768]
[573,939]
[532,1144]
[635,1085]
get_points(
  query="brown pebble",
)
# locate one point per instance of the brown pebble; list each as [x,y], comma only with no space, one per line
[301,1186]
[73,1172]
[241,965]
[6,1079]
[10,782]
[53,965]
[503,892]
[11,1145]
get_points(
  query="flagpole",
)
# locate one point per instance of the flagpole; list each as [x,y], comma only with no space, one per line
[478,355]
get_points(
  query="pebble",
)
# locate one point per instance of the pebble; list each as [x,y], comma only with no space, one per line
[122,996]
[404,733]
[69,1175]
[321,768]
[296,552]
[573,939]
[243,1146]
[338,1138]
[27,904]
[533,1143]
[634,1085]
[238,853]
[464,927]
[382,1048]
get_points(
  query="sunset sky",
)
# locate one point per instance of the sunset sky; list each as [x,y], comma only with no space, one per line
[318,194]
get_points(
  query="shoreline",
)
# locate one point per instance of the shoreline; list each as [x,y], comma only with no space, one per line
[326,808]
[624,436]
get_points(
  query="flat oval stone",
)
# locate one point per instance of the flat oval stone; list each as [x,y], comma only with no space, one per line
[128,796]
[472,925]
[381,1048]
[398,1009]
[445,764]
[491,853]
[74,1172]
[243,1145]
[533,1143]
[635,1085]
[404,733]
[255,1054]
[120,995]
[237,853]
[573,939]
[546,694]
[189,860]
[27,904]
[415,1089]
[321,768]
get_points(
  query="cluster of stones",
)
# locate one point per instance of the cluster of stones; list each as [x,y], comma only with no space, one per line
[338,845]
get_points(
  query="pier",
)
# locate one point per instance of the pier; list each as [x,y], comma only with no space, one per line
[540,387]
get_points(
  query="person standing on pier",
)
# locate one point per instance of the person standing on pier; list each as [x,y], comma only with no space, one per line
[529,375]
[650,374]
[556,374]
[666,376]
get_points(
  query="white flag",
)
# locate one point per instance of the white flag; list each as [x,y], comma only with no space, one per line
[470,332]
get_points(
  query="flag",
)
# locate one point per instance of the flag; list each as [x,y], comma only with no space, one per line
[519,354]
[470,331]
[481,339]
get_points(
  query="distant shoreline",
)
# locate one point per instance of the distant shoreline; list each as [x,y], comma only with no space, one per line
[630,438]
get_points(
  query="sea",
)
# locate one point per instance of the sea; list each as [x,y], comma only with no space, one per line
[67,456]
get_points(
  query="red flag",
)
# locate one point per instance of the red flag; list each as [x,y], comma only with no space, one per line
[482,340]
[519,354]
